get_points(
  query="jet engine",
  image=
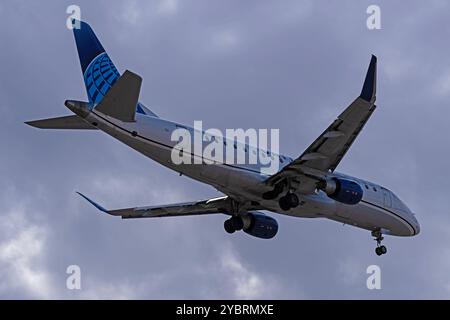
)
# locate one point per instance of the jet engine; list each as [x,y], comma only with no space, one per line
[342,190]
[254,223]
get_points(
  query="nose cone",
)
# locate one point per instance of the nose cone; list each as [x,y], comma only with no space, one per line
[413,221]
[78,107]
[408,216]
[416,225]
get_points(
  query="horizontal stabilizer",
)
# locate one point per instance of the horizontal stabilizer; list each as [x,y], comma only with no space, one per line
[67,122]
[121,100]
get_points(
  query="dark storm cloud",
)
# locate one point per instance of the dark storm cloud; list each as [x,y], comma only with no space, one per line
[292,65]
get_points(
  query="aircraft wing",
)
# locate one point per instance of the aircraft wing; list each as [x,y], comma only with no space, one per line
[325,153]
[211,206]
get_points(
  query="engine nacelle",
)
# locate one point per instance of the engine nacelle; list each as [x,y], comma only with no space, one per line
[259,225]
[342,190]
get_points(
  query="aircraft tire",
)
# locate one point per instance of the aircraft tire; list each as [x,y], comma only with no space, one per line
[228,226]
[292,200]
[284,203]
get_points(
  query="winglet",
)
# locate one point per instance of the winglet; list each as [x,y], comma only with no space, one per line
[369,89]
[99,207]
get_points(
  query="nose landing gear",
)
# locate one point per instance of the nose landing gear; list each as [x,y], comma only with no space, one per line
[380,249]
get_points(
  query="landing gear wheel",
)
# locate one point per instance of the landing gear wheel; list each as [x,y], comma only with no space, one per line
[289,201]
[237,223]
[228,226]
[292,199]
[380,249]
[284,203]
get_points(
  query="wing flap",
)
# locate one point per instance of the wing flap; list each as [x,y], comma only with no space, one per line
[174,210]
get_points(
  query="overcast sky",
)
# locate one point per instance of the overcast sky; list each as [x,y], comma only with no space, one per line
[292,65]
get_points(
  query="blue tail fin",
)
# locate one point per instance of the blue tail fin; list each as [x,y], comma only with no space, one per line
[98,70]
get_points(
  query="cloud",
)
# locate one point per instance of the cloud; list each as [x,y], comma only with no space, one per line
[131,12]
[441,86]
[349,271]
[245,282]
[115,291]
[167,7]
[22,249]
[226,39]
[135,11]
[398,68]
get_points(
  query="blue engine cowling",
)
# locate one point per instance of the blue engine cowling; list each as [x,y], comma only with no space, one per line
[344,191]
[260,225]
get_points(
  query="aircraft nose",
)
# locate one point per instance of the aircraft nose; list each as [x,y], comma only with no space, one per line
[415,224]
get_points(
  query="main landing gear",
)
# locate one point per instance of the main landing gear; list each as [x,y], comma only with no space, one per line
[380,249]
[233,224]
[286,202]
[289,201]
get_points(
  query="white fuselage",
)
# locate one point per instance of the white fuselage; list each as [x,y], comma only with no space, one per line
[379,208]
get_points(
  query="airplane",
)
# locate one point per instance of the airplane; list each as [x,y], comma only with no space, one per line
[306,187]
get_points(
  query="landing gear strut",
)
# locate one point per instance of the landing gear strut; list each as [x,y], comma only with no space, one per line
[380,249]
